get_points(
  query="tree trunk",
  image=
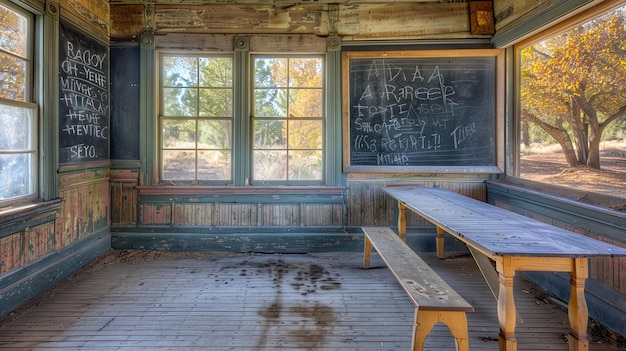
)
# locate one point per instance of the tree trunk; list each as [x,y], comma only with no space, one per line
[525,134]
[560,135]
[593,158]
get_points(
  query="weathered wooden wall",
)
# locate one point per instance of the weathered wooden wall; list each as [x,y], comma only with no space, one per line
[25,241]
[356,20]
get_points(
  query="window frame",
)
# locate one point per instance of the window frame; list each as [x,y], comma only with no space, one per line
[27,104]
[160,115]
[514,172]
[323,118]
[242,133]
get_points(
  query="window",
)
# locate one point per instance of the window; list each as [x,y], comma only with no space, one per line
[198,143]
[18,116]
[287,119]
[572,104]
[197,118]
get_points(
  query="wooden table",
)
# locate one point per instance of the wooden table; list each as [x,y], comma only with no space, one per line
[515,243]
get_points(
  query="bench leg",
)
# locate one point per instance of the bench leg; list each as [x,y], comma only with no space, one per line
[426,320]
[367,252]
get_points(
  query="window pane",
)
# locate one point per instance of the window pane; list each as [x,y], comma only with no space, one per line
[12,77]
[305,165]
[13,32]
[214,165]
[198,91]
[305,134]
[305,72]
[305,103]
[16,175]
[270,165]
[216,102]
[180,71]
[214,134]
[179,134]
[270,103]
[270,72]
[180,102]
[270,134]
[17,129]
[572,94]
[216,72]
[179,165]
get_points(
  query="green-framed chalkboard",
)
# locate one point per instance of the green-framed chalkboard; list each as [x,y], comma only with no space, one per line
[414,111]
[84,97]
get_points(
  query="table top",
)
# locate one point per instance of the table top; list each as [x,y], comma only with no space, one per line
[496,231]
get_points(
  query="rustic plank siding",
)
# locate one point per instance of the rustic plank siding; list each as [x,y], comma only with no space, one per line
[323,215]
[124,202]
[352,21]
[156,213]
[237,215]
[11,252]
[91,14]
[39,241]
[280,215]
[368,205]
[201,214]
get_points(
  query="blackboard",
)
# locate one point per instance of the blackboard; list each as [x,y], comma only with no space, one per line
[83,97]
[431,109]
[125,102]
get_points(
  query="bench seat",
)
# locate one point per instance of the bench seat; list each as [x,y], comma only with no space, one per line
[435,301]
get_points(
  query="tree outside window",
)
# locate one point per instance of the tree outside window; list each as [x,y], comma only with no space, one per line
[288,124]
[18,156]
[573,105]
[196,118]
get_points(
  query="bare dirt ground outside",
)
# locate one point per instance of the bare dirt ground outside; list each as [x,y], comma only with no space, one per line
[547,165]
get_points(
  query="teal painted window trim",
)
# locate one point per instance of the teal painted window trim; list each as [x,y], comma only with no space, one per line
[527,25]
[44,75]
[149,160]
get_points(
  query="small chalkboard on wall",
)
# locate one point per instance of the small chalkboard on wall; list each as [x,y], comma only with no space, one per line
[83,97]
[423,111]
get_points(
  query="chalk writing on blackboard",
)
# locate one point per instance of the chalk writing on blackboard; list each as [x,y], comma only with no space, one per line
[422,111]
[83,98]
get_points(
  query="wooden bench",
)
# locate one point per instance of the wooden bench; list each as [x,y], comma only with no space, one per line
[435,301]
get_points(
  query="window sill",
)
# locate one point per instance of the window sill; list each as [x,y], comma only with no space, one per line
[16,218]
[613,203]
[243,190]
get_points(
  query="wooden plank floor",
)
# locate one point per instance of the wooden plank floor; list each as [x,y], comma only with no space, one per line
[163,301]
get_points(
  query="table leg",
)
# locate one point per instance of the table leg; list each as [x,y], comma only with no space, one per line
[402,220]
[440,241]
[367,252]
[577,309]
[507,314]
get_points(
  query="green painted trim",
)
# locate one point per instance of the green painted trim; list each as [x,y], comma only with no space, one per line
[147,108]
[526,25]
[20,286]
[239,230]
[241,112]
[268,241]
[47,72]
[589,218]
[245,199]
[30,216]
[333,154]
[511,124]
